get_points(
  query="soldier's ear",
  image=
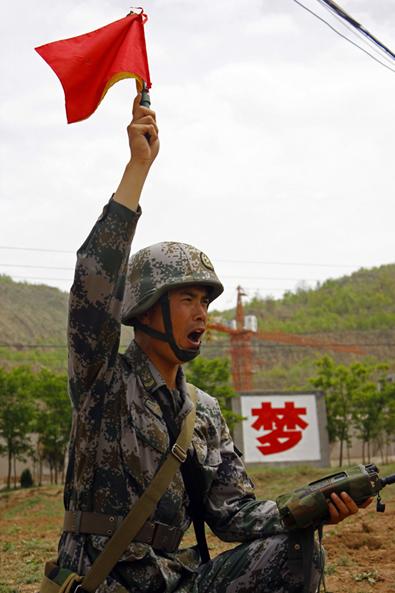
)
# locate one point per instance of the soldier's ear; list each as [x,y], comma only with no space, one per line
[145,317]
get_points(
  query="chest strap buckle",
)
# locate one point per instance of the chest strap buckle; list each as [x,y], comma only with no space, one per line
[179,453]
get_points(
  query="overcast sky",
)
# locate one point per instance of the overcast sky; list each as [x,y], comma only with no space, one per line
[277,141]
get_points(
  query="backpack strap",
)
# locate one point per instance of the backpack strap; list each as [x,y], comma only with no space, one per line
[193,487]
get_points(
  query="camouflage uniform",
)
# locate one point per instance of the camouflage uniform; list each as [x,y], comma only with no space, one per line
[119,440]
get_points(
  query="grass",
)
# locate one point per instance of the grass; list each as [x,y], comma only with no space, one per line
[23,507]
[7,589]
[371,576]
[344,561]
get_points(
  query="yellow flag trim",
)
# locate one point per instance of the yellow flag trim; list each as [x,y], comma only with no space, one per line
[121,76]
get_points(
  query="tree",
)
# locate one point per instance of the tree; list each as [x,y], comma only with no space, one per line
[353,400]
[334,381]
[16,416]
[366,413]
[368,406]
[213,376]
[26,478]
[386,435]
[53,421]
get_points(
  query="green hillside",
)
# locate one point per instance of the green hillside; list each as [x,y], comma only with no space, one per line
[358,309]
[33,320]
[365,300]
[31,312]
[32,315]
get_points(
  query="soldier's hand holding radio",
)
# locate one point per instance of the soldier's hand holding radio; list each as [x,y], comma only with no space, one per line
[342,506]
[332,498]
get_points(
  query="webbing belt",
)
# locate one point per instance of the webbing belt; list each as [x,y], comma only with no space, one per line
[158,535]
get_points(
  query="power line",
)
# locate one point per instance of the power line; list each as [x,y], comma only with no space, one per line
[42,278]
[228,286]
[14,344]
[223,277]
[353,30]
[35,267]
[263,344]
[278,263]
[343,36]
[336,9]
[35,249]
[300,279]
[226,261]
[211,345]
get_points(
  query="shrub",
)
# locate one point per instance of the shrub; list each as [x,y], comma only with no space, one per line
[26,478]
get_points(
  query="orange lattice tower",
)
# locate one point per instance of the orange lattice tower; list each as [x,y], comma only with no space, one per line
[241,350]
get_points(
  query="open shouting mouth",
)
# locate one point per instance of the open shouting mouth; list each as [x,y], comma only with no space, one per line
[195,338]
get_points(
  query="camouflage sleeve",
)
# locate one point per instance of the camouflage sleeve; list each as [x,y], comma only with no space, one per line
[232,511]
[96,299]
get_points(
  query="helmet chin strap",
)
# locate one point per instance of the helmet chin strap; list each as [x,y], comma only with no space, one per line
[183,354]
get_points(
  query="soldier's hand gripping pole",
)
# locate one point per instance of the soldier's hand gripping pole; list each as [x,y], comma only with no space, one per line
[145,102]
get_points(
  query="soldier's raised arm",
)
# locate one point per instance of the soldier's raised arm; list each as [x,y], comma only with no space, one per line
[144,147]
[97,291]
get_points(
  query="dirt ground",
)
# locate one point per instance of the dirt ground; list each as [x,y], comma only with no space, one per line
[360,551]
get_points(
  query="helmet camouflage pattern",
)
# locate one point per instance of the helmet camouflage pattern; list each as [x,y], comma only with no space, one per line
[158,268]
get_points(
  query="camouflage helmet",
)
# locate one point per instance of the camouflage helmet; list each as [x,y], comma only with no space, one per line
[156,269]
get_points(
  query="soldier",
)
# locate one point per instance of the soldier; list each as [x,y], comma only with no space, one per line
[127,411]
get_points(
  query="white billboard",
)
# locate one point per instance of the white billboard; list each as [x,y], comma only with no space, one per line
[280,428]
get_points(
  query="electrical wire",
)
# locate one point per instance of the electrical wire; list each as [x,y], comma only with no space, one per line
[336,9]
[222,275]
[342,35]
[356,33]
[35,249]
[240,277]
[42,278]
[249,289]
[360,30]
[69,268]
[216,346]
[29,266]
[35,267]
[225,261]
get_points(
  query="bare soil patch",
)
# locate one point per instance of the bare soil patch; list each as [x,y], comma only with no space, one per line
[360,551]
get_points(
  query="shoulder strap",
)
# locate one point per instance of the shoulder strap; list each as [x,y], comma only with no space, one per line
[193,487]
[145,505]
[192,392]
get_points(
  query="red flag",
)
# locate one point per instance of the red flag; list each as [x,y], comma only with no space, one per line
[88,65]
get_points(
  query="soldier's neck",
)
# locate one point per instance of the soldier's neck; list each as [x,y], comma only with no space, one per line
[168,372]
[161,356]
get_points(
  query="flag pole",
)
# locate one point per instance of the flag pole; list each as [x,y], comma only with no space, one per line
[145,98]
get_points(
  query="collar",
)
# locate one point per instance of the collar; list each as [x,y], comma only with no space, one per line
[148,374]
[150,377]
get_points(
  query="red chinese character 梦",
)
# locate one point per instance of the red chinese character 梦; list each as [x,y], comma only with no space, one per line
[282,422]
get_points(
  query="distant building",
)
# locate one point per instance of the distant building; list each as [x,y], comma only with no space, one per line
[251,323]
